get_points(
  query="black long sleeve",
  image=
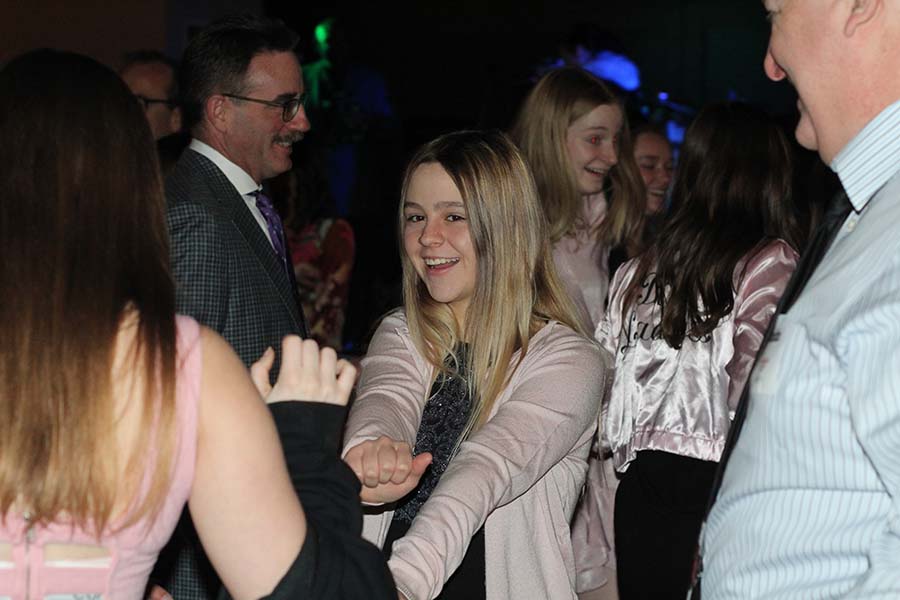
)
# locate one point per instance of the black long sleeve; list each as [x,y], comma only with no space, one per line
[335,563]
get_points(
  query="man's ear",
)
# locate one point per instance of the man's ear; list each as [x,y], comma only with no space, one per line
[216,112]
[861,13]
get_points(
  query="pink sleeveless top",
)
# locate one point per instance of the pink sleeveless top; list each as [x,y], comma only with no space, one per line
[133,550]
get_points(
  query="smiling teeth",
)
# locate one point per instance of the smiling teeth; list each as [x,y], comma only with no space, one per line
[595,171]
[436,262]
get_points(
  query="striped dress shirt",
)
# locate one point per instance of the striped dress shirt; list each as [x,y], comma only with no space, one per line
[810,502]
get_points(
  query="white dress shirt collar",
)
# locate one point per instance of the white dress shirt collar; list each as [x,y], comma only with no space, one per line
[871,158]
[238,177]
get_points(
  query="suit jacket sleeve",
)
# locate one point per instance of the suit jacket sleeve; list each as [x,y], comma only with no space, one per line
[198,265]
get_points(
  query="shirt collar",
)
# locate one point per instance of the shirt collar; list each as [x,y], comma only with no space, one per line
[871,158]
[238,177]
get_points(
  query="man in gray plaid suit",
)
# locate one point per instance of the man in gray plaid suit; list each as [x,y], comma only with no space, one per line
[242,95]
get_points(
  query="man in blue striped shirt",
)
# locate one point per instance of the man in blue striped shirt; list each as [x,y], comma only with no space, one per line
[810,502]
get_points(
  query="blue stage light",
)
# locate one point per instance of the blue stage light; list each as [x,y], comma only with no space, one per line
[616,68]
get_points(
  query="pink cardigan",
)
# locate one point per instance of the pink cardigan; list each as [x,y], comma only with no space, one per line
[520,474]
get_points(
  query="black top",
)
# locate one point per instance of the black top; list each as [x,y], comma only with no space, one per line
[335,563]
[444,420]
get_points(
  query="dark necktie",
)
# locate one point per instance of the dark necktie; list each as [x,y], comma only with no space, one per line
[276,233]
[835,215]
[273,224]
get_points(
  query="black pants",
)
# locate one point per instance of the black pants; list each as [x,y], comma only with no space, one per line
[660,505]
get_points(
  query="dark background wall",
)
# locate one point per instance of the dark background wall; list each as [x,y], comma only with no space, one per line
[469,61]
[465,61]
[98,28]
[447,64]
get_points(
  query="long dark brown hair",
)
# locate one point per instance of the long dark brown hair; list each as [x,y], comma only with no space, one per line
[84,247]
[732,191]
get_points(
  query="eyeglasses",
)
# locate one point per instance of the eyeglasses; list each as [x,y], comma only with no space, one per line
[146,102]
[289,108]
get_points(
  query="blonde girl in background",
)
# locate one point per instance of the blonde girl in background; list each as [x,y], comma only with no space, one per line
[572,130]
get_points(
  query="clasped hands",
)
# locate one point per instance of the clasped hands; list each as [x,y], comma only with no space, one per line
[385,467]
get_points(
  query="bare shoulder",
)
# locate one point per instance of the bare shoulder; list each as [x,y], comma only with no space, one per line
[215,348]
[225,379]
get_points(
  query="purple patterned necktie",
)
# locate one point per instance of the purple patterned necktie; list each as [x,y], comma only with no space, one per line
[273,224]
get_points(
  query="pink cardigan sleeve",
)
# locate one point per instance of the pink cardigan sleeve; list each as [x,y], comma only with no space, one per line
[763,279]
[392,387]
[549,409]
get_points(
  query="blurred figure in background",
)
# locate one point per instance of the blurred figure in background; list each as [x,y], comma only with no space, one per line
[572,131]
[357,141]
[653,154]
[153,78]
[321,247]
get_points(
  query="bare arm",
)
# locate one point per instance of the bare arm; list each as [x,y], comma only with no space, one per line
[242,502]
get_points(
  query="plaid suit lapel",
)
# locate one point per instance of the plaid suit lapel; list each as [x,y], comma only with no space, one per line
[265,254]
[246,225]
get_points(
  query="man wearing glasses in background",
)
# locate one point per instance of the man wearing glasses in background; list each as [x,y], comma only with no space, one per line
[152,78]
[242,100]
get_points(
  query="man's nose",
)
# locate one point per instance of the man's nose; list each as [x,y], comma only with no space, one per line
[300,122]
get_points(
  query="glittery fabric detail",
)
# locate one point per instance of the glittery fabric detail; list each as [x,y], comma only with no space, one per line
[443,420]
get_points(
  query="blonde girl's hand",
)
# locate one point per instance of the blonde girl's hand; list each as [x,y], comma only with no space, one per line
[386,468]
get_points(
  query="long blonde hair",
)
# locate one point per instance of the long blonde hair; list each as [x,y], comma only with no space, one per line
[84,246]
[517,290]
[557,100]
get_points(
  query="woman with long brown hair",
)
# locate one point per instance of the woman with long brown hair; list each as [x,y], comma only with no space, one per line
[685,322]
[115,411]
